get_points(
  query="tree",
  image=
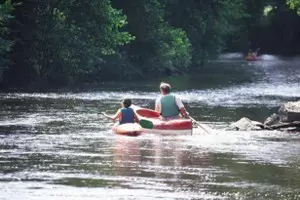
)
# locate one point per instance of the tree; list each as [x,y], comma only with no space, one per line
[159,48]
[92,32]
[58,42]
[294,4]
[208,23]
[5,43]
[274,28]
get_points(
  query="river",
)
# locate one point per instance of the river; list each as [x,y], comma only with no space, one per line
[57,146]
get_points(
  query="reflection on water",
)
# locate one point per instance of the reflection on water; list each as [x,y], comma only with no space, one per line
[126,155]
[57,146]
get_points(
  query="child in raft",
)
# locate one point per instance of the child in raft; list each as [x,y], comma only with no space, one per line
[125,114]
[253,54]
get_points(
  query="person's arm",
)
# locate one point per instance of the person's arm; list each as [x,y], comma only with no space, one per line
[181,107]
[136,119]
[114,117]
[183,112]
[158,105]
[117,115]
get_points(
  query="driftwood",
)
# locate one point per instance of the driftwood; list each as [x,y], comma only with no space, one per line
[264,127]
[286,125]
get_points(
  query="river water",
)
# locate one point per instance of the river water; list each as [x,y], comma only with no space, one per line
[57,146]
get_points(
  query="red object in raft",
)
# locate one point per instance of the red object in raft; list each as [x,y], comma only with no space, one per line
[159,124]
[251,58]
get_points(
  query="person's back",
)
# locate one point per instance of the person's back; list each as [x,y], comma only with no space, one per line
[127,115]
[169,107]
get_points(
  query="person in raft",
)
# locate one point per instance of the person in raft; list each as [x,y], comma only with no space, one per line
[250,53]
[168,105]
[253,54]
[125,114]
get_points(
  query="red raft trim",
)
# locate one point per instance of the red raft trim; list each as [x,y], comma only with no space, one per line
[154,117]
[175,124]
[252,58]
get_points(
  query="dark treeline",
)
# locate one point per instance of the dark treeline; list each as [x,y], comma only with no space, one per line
[54,43]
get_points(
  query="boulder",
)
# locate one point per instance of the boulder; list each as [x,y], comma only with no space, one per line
[246,124]
[273,119]
[289,112]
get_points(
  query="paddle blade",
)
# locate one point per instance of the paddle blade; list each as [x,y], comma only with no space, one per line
[146,124]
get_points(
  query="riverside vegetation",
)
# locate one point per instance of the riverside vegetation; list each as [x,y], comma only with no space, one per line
[55,43]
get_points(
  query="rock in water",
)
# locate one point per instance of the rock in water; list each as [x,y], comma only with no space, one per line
[289,112]
[273,119]
[246,124]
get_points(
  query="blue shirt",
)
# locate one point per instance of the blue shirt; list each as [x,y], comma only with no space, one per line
[127,115]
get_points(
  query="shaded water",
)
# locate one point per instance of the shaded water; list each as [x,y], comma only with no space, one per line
[57,146]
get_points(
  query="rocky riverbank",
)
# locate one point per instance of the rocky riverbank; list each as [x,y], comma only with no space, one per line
[287,118]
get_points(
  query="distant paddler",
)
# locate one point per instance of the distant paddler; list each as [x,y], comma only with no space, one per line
[252,56]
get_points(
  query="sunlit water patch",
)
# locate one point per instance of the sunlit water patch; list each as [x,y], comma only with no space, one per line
[248,94]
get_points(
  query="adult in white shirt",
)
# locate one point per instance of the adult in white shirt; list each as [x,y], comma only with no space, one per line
[168,105]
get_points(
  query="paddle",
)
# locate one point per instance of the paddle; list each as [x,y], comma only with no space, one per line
[106,115]
[146,123]
[198,124]
[257,50]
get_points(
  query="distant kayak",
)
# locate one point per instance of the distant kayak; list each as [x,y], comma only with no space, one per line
[129,129]
[251,58]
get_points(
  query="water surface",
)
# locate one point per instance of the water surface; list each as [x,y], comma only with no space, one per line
[57,146]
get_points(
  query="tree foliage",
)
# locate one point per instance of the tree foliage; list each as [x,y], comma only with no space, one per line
[207,23]
[164,48]
[5,43]
[65,40]
[294,4]
[275,27]
[60,42]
